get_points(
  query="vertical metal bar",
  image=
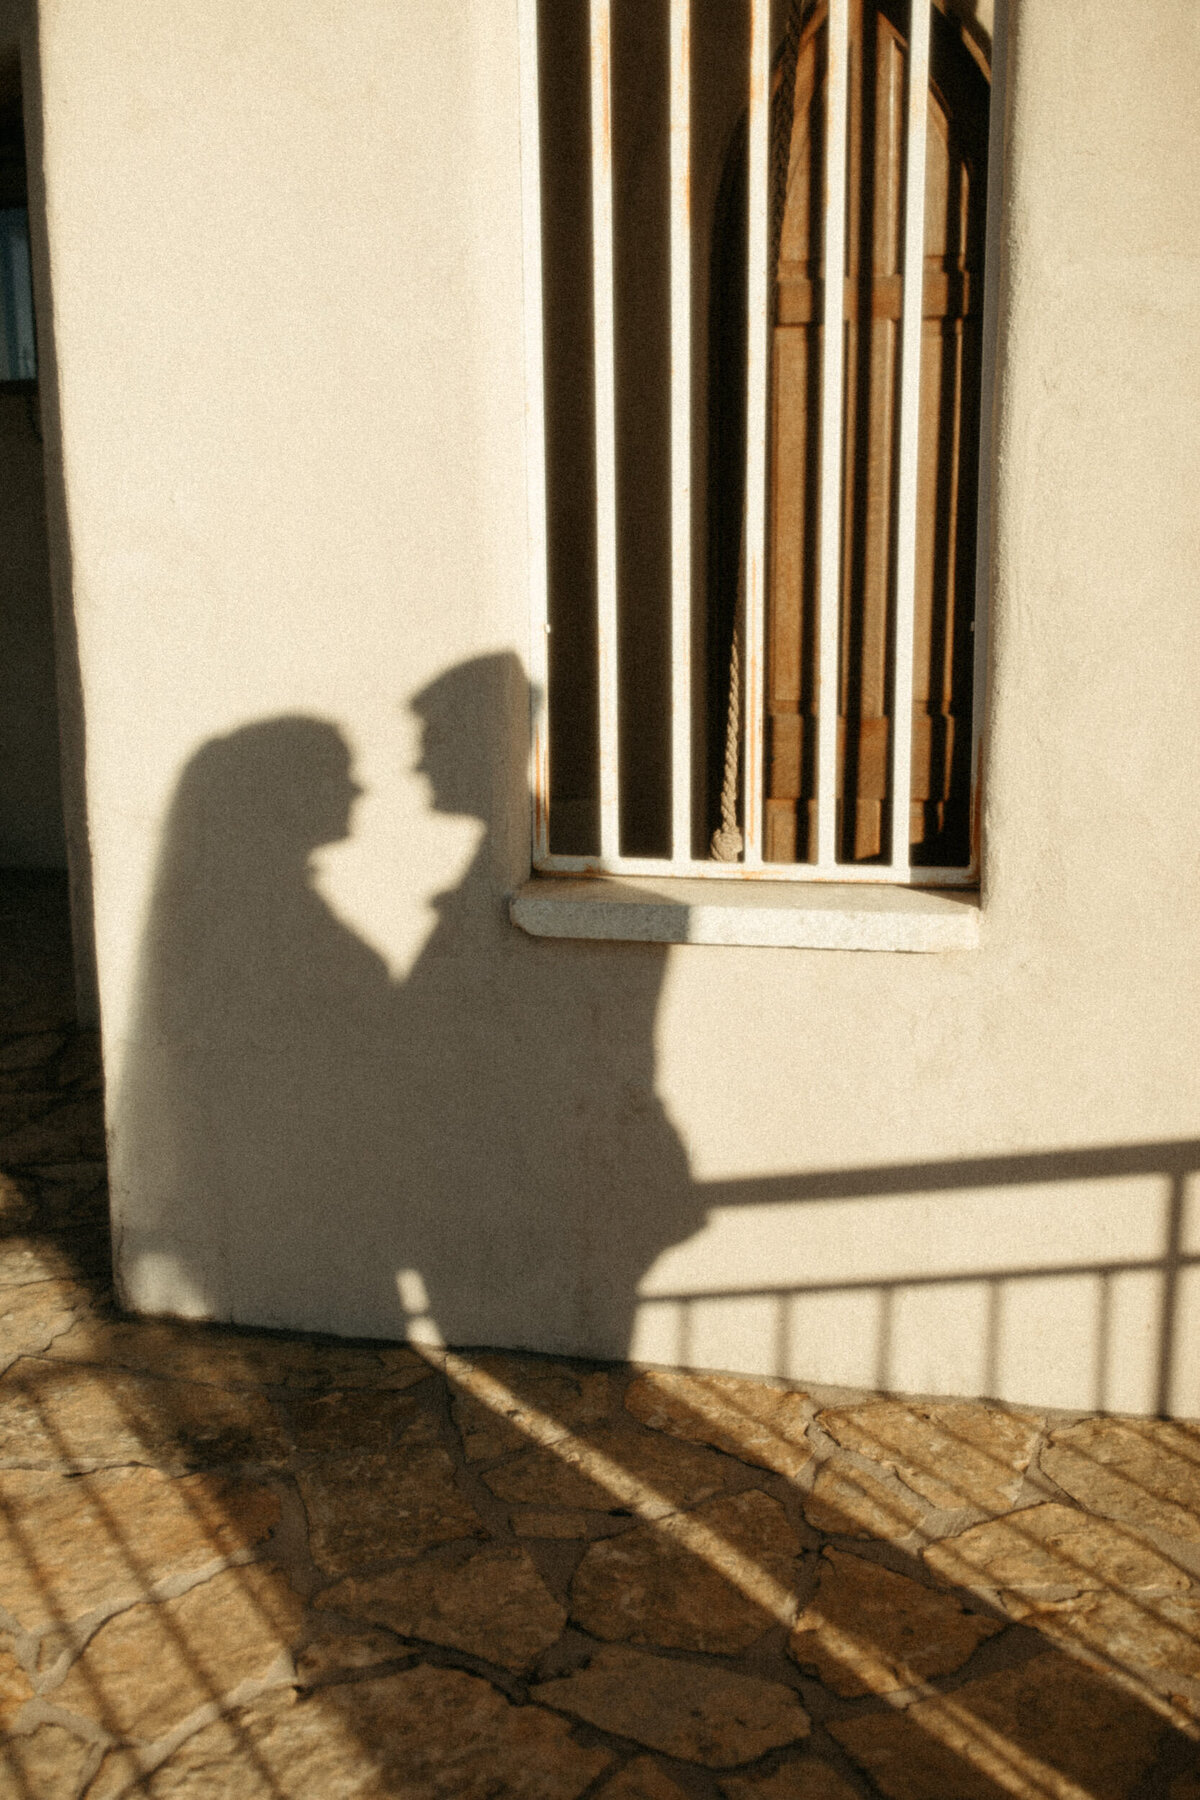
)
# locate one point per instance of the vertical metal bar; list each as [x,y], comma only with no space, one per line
[606,428]
[535,430]
[910,412]
[681,433]
[987,471]
[832,358]
[756,424]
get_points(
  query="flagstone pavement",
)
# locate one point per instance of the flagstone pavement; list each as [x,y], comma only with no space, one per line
[246,1566]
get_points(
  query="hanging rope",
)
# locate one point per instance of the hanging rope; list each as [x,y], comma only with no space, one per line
[726,845]
[727,842]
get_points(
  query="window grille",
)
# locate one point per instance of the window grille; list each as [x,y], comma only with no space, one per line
[754,538]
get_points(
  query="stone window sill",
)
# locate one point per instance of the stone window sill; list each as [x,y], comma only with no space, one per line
[784,914]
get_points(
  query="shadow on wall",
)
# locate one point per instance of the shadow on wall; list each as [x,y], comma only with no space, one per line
[1086,1298]
[452,1561]
[329,1149]
[316,1129]
[477,1154]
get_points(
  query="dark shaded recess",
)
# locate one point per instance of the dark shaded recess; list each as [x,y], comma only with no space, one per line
[720,49]
[965,94]
[565,114]
[12,135]
[641,256]
[726,454]
[14,185]
[728,350]
[641,215]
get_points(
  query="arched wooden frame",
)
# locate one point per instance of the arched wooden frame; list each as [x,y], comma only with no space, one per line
[955,190]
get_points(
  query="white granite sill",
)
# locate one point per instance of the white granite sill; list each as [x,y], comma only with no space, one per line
[783,914]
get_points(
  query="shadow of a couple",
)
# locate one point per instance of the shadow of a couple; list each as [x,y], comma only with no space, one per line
[310,1144]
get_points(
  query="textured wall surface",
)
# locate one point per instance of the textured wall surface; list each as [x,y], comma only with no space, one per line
[344,1093]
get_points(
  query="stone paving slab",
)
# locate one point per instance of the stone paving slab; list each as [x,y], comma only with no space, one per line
[700,1713]
[57,1416]
[148,1668]
[439,1734]
[494,1605]
[240,1565]
[754,1420]
[806,1779]
[682,1474]
[649,1586]
[868,1630]
[1046,1727]
[106,1540]
[951,1453]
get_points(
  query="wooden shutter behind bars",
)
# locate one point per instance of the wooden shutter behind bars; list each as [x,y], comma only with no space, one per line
[949,425]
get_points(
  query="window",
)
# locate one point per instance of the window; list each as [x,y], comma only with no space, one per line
[755,539]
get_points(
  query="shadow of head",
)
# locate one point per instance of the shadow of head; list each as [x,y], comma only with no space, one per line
[275,790]
[473,721]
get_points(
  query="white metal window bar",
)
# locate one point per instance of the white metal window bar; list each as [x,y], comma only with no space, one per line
[682,862]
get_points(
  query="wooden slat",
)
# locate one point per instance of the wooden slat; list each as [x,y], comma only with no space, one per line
[910,409]
[830,507]
[790,757]
[946,295]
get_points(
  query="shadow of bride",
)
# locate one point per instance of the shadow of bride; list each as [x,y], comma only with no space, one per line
[476,1153]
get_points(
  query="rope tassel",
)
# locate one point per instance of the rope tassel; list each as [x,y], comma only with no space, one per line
[726,844]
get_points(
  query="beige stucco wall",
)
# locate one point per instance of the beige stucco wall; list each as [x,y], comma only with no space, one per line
[285,259]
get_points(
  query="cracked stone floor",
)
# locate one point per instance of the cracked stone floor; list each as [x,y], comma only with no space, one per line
[236,1565]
